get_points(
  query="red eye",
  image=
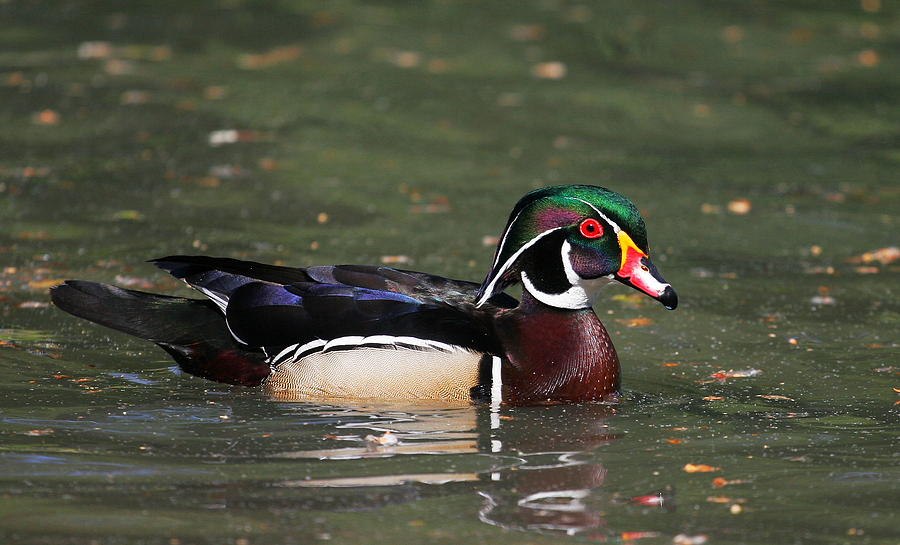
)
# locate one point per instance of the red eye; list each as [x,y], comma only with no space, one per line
[591,228]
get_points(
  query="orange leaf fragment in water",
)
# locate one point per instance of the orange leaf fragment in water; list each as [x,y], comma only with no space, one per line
[885,256]
[700,468]
[740,206]
[275,56]
[719,482]
[395,259]
[47,117]
[631,536]
[635,322]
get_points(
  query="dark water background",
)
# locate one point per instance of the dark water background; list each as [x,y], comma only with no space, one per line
[760,139]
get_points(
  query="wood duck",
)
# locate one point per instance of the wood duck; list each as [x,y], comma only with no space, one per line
[357,331]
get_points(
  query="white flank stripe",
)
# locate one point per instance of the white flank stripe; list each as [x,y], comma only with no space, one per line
[355,341]
[308,347]
[340,342]
[284,352]
[496,383]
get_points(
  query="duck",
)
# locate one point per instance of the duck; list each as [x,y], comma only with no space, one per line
[369,331]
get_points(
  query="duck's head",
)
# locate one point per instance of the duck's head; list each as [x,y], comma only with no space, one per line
[566,242]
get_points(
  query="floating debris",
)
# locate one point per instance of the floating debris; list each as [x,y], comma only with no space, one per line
[700,468]
[885,256]
[635,322]
[275,56]
[739,373]
[631,536]
[775,397]
[549,70]
[406,59]
[95,50]
[395,259]
[719,482]
[527,33]
[740,206]
[33,304]
[46,117]
[232,136]
[684,539]
[388,439]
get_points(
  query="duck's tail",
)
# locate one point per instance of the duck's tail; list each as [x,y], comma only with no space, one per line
[192,331]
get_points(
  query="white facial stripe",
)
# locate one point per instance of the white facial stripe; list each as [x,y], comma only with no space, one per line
[573,298]
[566,257]
[615,226]
[490,288]
[503,239]
[582,294]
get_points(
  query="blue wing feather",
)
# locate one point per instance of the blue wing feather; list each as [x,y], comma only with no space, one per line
[274,307]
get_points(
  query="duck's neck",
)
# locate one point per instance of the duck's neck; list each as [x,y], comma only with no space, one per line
[556,354]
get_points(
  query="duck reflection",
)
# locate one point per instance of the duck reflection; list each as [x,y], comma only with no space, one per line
[533,468]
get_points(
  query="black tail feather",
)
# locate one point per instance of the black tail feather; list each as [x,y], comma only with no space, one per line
[193,331]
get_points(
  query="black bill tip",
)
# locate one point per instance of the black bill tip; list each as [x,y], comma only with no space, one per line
[669,298]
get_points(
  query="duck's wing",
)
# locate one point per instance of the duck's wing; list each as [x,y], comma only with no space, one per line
[218,277]
[279,307]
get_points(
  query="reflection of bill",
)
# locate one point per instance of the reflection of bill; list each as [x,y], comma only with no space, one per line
[528,477]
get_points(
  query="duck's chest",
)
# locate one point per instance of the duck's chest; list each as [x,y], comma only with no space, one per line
[559,356]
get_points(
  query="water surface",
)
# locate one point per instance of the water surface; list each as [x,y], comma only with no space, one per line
[760,141]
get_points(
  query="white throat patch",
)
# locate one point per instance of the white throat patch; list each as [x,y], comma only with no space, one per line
[582,293]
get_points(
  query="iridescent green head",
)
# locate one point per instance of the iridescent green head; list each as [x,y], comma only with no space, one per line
[565,242]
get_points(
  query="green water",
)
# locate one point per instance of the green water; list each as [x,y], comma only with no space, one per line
[405,132]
